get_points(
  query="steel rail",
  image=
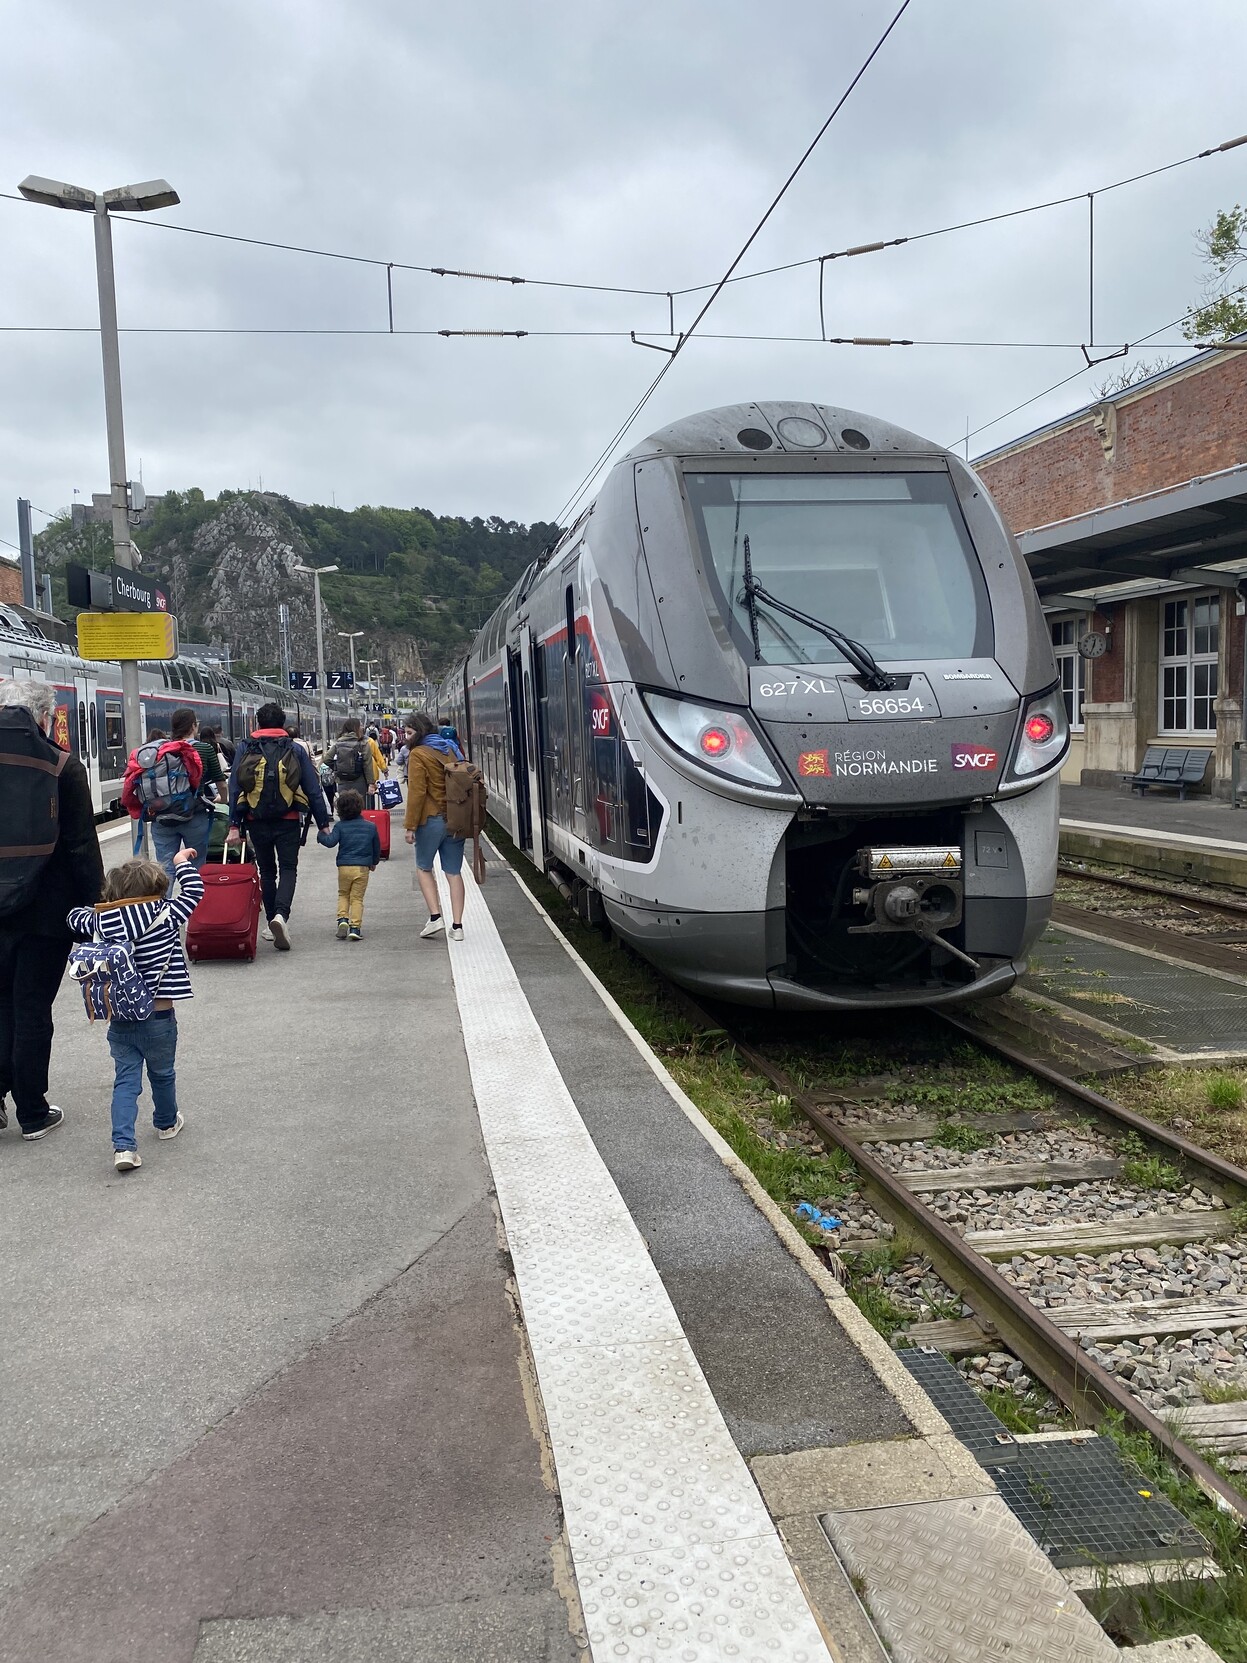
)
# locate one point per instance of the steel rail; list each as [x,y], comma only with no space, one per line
[1086,1388]
[1235,909]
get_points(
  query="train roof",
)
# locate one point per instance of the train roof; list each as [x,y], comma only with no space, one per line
[793,426]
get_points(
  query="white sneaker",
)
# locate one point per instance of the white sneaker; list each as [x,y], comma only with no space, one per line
[266,934]
[456,932]
[172,1131]
[125,1160]
[281,933]
[435,926]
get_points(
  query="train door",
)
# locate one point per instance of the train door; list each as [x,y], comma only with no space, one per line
[573,707]
[85,731]
[519,750]
[531,665]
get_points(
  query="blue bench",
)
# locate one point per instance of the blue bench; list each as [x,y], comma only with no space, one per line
[1171,766]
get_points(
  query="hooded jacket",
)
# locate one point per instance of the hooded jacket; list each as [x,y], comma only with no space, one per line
[150,924]
[426,779]
[74,874]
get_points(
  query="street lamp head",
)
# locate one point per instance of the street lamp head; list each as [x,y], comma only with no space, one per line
[141,199]
[352,634]
[316,571]
[53,194]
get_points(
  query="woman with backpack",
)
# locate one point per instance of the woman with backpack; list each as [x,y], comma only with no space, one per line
[425,822]
[351,760]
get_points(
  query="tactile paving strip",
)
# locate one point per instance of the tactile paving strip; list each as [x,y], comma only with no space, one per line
[960,1582]
[675,1555]
[1182,1009]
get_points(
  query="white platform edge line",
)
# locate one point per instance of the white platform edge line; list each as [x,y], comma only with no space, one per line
[788,1610]
[1137,834]
[920,1410]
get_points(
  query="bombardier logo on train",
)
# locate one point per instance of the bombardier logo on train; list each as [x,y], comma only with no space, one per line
[819,642]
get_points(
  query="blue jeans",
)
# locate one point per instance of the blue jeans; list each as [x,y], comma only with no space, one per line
[132,1044]
[432,838]
[167,840]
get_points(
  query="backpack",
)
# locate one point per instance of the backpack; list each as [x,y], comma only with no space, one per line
[270,778]
[113,990]
[348,759]
[466,797]
[30,805]
[161,784]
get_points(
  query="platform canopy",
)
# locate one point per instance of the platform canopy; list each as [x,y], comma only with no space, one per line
[1189,534]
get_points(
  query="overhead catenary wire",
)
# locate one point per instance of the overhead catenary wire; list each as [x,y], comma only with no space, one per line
[1143,340]
[574,500]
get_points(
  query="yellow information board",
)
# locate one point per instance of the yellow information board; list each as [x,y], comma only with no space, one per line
[113,636]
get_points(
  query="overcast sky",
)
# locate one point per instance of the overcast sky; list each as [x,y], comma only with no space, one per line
[632,145]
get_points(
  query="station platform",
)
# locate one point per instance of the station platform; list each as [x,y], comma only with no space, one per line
[1202,840]
[448,1331]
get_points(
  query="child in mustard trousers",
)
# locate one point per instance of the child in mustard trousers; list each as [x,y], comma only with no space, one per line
[359,850]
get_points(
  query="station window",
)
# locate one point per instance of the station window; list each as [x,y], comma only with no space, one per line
[1071,667]
[1190,640]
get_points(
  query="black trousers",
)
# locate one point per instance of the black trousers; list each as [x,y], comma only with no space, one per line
[31,967]
[276,845]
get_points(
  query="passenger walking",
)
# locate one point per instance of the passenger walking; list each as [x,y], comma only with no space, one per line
[425,823]
[359,850]
[49,862]
[136,912]
[168,836]
[352,761]
[273,784]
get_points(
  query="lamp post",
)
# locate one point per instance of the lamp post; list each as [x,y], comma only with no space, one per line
[368,664]
[351,635]
[128,199]
[317,573]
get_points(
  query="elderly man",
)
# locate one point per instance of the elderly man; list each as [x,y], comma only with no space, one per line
[49,862]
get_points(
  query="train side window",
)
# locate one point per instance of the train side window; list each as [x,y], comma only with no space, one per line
[114,726]
[570,599]
[83,750]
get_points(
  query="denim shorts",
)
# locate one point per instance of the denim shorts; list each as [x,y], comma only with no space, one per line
[432,838]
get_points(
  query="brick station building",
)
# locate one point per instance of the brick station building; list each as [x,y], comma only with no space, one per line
[1132,516]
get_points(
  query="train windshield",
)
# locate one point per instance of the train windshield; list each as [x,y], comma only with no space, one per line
[885,558]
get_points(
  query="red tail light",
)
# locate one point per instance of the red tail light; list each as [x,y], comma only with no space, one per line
[715,741]
[1039,728]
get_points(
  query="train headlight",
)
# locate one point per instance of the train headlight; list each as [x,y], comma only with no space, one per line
[1044,736]
[721,740]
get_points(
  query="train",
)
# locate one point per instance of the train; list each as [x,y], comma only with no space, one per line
[89,721]
[780,708]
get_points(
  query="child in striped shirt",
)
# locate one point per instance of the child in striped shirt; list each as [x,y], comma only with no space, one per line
[137,909]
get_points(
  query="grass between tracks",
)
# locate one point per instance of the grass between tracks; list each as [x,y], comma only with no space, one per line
[1209,1108]
[914,1062]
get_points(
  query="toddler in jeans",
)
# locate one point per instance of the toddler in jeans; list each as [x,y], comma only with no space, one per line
[137,909]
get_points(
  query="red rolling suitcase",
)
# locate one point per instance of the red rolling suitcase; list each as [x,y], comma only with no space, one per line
[380,818]
[226,922]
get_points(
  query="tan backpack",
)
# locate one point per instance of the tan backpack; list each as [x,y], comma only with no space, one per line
[466,796]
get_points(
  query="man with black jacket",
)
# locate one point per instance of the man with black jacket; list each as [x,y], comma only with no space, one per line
[280,776]
[37,891]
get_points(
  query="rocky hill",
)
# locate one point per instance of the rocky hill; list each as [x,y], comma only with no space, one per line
[417,584]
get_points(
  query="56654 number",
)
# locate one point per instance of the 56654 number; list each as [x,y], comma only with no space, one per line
[890,707]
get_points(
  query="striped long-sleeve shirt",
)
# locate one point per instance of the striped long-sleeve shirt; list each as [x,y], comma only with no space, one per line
[150,924]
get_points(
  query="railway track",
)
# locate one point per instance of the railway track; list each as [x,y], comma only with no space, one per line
[1063,1342]
[1180,926]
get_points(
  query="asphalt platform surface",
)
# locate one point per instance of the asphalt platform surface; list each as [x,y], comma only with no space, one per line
[264,1398]
[1160,810]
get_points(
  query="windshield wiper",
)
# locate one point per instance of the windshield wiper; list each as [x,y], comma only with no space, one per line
[874,679]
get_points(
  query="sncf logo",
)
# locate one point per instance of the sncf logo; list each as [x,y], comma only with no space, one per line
[970,756]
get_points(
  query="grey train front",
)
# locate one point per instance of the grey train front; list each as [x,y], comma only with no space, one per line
[782,707]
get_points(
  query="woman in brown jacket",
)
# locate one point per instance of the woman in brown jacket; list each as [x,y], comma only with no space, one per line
[425,823]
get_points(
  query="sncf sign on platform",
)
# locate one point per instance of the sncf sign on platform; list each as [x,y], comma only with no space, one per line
[974,757]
